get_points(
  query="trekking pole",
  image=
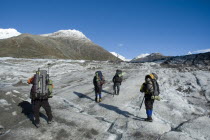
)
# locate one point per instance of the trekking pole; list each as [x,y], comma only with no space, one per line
[142,103]
[48,68]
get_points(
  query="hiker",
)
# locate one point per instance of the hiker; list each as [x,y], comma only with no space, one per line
[151,89]
[40,92]
[117,80]
[98,82]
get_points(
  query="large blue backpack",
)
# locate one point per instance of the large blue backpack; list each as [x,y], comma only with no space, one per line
[99,78]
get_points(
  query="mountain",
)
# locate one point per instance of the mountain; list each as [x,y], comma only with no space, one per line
[7,33]
[141,56]
[59,45]
[119,56]
[74,34]
[148,57]
[199,60]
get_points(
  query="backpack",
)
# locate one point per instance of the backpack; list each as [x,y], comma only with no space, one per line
[156,93]
[156,88]
[42,86]
[99,78]
[118,76]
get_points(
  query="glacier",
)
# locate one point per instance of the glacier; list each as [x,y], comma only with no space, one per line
[182,114]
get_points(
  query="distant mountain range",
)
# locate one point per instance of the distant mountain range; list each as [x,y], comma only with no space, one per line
[197,60]
[148,58]
[73,44]
[64,44]
[201,59]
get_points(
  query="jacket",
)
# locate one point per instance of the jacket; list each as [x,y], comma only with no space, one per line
[150,87]
[117,79]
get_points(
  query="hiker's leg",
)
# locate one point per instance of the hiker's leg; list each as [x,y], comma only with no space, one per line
[36,106]
[118,89]
[96,94]
[149,108]
[114,88]
[99,92]
[47,108]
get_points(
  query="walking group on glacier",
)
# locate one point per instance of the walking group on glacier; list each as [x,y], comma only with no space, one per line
[42,88]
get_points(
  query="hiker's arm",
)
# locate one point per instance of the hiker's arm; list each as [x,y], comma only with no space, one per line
[94,81]
[113,79]
[142,88]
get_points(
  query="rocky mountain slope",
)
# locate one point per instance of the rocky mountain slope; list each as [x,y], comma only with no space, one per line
[35,46]
[198,60]
[182,113]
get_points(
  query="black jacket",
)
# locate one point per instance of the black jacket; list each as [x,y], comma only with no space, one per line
[116,79]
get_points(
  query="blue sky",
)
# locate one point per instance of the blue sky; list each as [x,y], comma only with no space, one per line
[128,27]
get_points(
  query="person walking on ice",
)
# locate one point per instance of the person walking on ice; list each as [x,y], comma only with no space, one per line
[40,92]
[151,91]
[98,82]
[117,80]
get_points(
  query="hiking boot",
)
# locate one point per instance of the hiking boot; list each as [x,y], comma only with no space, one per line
[50,122]
[37,125]
[149,119]
[97,100]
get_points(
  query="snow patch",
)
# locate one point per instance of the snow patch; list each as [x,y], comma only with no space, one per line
[112,137]
[8,93]
[15,91]
[120,56]
[14,113]
[67,34]
[200,51]
[7,33]
[3,103]
[142,56]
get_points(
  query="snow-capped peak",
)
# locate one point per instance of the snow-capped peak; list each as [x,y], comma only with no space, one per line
[119,56]
[7,33]
[68,34]
[142,56]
